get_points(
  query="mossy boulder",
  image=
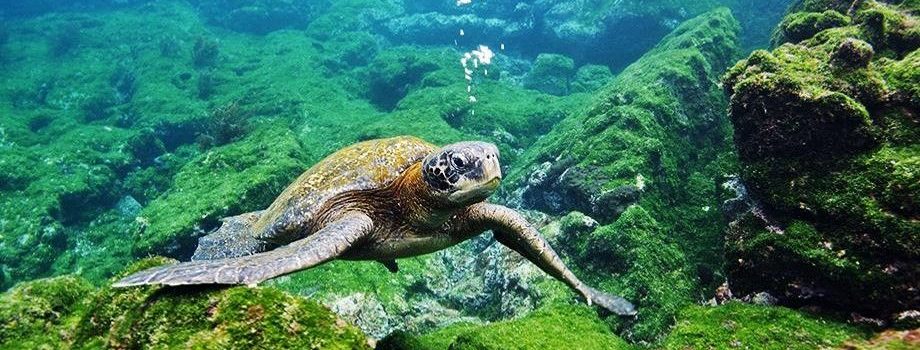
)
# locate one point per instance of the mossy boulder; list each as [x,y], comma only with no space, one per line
[224,181]
[32,314]
[67,313]
[590,78]
[853,53]
[551,73]
[826,131]
[803,25]
[395,72]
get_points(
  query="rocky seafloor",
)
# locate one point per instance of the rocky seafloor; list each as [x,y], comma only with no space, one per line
[746,172]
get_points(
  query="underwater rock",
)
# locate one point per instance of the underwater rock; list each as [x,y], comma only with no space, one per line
[366,312]
[68,182]
[437,28]
[738,205]
[32,313]
[475,282]
[590,78]
[67,313]
[394,72]
[853,53]
[205,53]
[551,73]
[574,227]
[483,279]
[128,207]
[799,26]
[556,189]
[826,131]
[613,33]
[351,49]
[146,146]
[261,16]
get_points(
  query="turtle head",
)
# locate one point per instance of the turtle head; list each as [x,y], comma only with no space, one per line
[463,172]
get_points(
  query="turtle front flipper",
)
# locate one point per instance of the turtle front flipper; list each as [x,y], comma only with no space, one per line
[324,245]
[513,231]
[610,302]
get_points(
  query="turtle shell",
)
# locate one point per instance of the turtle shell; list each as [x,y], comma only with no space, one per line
[362,166]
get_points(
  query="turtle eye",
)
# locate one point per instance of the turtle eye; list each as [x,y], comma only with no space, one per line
[458,161]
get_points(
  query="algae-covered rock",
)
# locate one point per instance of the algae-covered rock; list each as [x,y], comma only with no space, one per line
[630,146]
[67,313]
[610,33]
[633,255]
[551,73]
[224,181]
[260,17]
[803,25]
[591,77]
[557,327]
[33,313]
[392,74]
[827,134]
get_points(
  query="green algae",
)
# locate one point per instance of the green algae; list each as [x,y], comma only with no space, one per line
[737,325]
[32,314]
[590,78]
[557,327]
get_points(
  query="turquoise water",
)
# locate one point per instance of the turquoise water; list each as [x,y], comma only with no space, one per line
[735,170]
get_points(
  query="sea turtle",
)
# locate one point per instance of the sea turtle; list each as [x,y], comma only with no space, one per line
[378,200]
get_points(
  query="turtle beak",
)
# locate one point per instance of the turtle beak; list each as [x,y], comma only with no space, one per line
[491,173]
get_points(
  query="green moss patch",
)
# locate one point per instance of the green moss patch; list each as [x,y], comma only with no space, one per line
[736,325]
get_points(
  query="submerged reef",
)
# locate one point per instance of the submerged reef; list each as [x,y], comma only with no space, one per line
[766,203]
[827,134]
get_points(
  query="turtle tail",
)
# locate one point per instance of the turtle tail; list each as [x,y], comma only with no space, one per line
[233,239]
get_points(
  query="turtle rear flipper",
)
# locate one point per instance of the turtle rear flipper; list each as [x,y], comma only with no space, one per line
[233,239]
[324,245]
